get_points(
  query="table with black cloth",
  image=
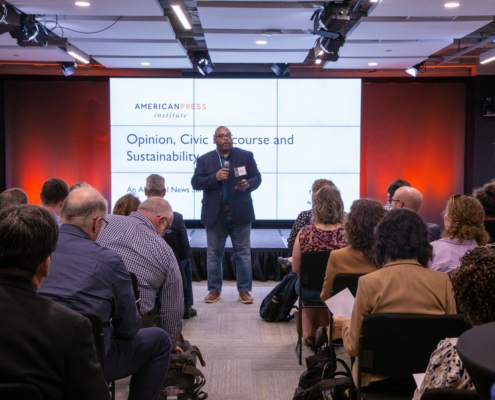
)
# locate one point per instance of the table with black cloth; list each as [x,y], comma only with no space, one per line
[476,348]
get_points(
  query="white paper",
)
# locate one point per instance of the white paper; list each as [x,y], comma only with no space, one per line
[341,304]
[419,379]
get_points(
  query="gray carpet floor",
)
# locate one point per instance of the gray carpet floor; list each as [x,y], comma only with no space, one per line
[246,357]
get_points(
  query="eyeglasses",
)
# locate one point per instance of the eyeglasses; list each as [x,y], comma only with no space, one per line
[168,223]
[224,136]
[392,200]
[103,219]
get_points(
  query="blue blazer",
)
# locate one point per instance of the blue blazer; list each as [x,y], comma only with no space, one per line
[241,203]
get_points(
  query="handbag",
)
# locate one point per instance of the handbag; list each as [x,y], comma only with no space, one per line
[183,373]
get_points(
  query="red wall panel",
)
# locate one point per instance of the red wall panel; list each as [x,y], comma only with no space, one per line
[57,129]
[409,131]
[414,132]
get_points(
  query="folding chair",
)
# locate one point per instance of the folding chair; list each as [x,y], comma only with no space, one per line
[19,391]
[99,337]
[449,394]
[311,277]
[399,345]
[341,282]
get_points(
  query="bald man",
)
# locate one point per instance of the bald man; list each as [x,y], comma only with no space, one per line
[85,276]
[138,239]
[227,176]
[412,199]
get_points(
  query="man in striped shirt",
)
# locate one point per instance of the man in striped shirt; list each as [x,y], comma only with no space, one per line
[138,239]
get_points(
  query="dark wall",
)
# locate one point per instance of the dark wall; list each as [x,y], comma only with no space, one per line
[483,132]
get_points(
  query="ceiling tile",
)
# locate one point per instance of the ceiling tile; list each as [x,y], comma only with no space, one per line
[394,28]
[401,8]
[392,48]
[126,28]
[108,47]
[248,41]
[256,57]
[158,62]
[34,54]
[382,63]
[97,7]
[242,15]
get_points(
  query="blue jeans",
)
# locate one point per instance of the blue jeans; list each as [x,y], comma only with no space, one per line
[146,357]
[187,283]
[216,236]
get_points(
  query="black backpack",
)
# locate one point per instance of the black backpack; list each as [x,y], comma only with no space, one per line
[280,301]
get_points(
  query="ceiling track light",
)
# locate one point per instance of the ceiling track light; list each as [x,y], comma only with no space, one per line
[68,68]
[182,17]
[78,54]
[413,71]
[487,56]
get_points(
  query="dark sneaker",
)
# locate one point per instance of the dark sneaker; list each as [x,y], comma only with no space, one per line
[189,313]
[285,264]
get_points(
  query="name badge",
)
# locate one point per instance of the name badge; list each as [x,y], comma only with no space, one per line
[241,171]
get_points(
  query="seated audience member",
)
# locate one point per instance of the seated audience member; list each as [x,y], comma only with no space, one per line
[464,230]
[327,233]
[357,258]
[85,276]
[486,196]
[13,196]
[126,204]
[303,219]
[41,342]
[79,185]
[177,239]
[392,188]
[138,239]
[404,285]
[53,193]
[412,199]
[474,290]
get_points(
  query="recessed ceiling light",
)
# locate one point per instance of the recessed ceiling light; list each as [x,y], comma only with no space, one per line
[261,42]
[451,5]
[373,1]
[372,63]
[145,63]
[82,4]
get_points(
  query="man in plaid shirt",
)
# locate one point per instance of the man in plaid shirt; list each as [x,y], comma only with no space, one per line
[138,239]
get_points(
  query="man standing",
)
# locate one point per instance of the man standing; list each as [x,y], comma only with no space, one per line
[138,239]
[227,176]
[85,276]
[178,241]
[412,199]
[41,342]
[53,193]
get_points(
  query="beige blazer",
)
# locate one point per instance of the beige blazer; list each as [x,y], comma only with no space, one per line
[402,287]
[345,261]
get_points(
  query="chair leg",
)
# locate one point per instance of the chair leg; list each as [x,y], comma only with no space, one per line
[112,390]
[299,335]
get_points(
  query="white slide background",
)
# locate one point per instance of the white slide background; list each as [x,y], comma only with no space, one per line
[161,125]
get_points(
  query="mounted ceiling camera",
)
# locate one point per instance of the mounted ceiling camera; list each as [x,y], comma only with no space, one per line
[10,19]
[30,32]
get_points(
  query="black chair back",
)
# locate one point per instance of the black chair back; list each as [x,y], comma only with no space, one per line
[476,349]
[98,335]
[400,345]
[19,391]
[313,268]
[343,281]
[449,394]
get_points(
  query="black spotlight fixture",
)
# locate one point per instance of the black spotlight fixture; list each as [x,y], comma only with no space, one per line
[68,68]
[10,19]
[327,49]
[30,32]
[280,69]
[333,17]
[203,63]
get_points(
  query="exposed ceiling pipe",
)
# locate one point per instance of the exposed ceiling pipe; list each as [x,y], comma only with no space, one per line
[467,50]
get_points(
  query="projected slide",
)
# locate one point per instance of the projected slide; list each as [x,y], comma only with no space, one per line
[299,130]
